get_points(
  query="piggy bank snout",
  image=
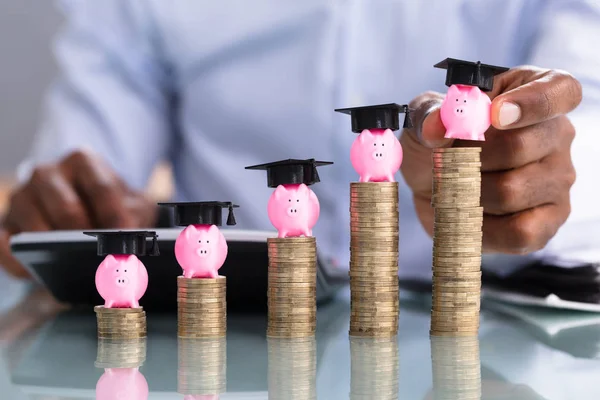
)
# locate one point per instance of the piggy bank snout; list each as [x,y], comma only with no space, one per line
[203,251]
[122,281]
[292,211]
[378,155]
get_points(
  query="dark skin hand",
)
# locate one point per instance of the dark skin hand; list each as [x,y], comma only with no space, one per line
[527,171]
[80,192]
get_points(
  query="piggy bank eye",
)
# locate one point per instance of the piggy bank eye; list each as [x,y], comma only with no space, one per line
[297,200]
[199,241]
[290,200]
[465,101]
[117,270]
[125,270]
[456,99]
[382,144]
[374,144]
[207,241]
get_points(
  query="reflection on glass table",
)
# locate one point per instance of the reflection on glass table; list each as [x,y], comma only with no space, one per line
[64,360]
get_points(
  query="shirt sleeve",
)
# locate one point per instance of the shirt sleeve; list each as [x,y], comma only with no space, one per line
[112,95]
[567,39]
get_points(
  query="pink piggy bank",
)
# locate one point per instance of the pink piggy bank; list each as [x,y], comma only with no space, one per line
[200,251]
[293,210]
[466,113]
[121,384]
[376,155]
[121,280]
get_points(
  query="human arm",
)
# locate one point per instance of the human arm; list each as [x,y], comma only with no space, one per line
[526,211]
[104,128]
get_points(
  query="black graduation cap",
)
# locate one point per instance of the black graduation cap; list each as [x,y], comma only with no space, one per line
[291,172]
[382,116]
[470,73]
[202,213]
[126,242]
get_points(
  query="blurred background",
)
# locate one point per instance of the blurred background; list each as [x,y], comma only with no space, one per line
[27,71]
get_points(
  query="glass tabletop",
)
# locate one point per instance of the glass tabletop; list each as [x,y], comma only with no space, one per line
[542,354]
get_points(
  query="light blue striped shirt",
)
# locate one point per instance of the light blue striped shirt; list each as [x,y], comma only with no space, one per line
[214,86]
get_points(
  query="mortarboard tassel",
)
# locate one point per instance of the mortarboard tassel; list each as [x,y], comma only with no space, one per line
[231,217]
[407,119]
[154,250]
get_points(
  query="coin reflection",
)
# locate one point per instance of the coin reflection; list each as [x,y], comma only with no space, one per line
[202,368]
[374,368]
[292,368]
[456,368]
[121,360]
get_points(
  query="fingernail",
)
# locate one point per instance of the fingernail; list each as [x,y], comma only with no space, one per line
[509,114]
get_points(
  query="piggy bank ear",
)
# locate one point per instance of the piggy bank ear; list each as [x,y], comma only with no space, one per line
[364,135]
[474,93]
[303,190]
[109,261]
[280,192]
[190,231]
[453,91]
[132,261]
[213,232]
[389,137]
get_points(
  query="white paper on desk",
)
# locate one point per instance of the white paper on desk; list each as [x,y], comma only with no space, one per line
[551,301]
[550,320]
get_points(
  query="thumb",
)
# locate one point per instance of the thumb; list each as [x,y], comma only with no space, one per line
[428,127]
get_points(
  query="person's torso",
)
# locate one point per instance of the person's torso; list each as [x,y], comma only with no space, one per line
[258,82]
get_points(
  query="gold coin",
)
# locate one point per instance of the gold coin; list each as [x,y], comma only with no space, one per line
[452,150]
[458,220]
[375,234]
[202,302]
[369,274]
[298,239]
[389,310]
[460,212]
[440,163]
[373,205]
[279,276]
[102,309]
[306,265]
[291,252]
[369,256]
[220,279]
[121,317]
[454,241]
[467,202]
[393,216]
[199,293]
[292,255]
[288,295]
[444,260]
[450,155]
[140,328]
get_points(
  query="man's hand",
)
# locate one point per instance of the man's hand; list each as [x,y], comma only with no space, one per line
[79,192]
[527,170]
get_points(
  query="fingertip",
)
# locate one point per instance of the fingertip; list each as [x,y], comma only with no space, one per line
[504,113]
[433,131]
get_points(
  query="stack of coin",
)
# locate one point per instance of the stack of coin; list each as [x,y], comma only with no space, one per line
[201,307]
[374,368]
[202,367]
[121,323]
[292,287]
[456,368]
[374,221]
[457,241]
[292,368]
[121,353]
